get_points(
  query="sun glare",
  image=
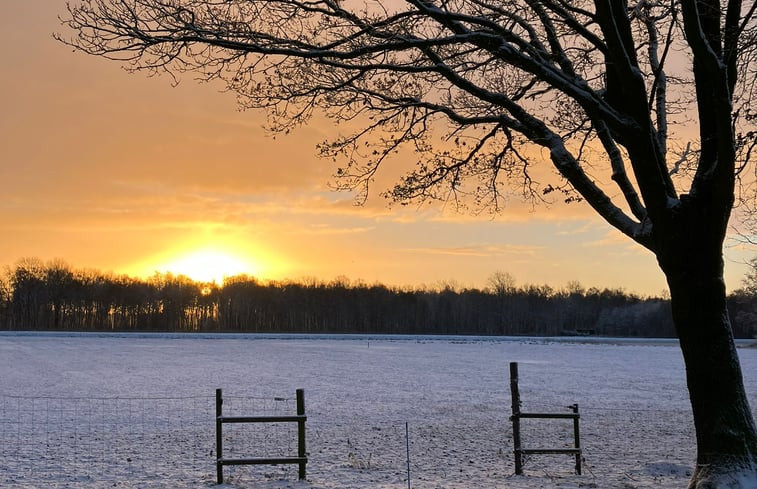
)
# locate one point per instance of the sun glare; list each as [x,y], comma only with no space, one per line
[210,265]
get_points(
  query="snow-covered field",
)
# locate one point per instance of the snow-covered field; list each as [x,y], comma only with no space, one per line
[137,411]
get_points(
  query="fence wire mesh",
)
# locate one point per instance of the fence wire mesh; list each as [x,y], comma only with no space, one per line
[46,441]
[82,442]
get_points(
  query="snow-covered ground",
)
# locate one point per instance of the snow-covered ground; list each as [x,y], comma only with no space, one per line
[137,411]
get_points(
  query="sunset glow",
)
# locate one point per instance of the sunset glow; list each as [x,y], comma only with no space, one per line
[204,265]
[136,175]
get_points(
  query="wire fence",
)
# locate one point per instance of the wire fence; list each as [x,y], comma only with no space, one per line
[77,442]
[269,440]
[53,440]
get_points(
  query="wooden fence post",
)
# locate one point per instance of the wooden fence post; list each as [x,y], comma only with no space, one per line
[577,439]
[219,436]
[301,448]
[515,395]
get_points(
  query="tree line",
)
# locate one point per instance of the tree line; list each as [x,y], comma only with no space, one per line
[37,295]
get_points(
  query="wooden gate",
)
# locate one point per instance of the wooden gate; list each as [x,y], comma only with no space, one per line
[517,415]
[299,418]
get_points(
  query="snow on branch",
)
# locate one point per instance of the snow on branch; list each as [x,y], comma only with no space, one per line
[562,75]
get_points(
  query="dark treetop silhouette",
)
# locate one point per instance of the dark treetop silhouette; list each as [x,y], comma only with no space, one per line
[35,295]
[600,86]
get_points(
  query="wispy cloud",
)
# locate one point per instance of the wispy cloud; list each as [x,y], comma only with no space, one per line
[328,230]
[481,250]
[575,228]
[610,238]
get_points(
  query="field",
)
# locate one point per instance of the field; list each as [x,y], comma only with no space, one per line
[137,411]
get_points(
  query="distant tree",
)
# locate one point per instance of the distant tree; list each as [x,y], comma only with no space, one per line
[58,285]
[574,288]
[28,300]
[502,283]
[5,297]
[743,304]
[503,286]
[481,91]
[750,281]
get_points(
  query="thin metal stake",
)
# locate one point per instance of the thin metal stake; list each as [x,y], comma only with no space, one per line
[219,436]
[407,447]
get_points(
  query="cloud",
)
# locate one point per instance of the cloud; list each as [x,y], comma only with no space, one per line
[481,250]
[612,237]
[330,230]
[575,228]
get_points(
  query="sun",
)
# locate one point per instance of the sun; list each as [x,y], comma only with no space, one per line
[208,259]
[210,265]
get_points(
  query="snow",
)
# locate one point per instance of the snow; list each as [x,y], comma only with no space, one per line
[137,411]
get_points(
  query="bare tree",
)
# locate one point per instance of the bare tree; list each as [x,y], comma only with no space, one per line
[480,90]
[501,283]
[750,281]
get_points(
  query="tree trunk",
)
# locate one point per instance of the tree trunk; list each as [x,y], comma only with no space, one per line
[725,429]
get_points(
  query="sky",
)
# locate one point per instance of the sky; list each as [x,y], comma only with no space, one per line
[129,174]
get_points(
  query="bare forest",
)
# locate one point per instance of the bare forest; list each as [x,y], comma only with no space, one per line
[38,295]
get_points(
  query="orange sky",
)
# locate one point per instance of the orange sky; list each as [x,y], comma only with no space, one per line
[128,174]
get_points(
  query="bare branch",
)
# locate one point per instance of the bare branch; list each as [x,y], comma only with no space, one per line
[492,72]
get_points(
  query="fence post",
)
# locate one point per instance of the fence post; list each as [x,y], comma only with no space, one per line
[515,395]
[577,438]
[219,436]
[301,449]
[407,451]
